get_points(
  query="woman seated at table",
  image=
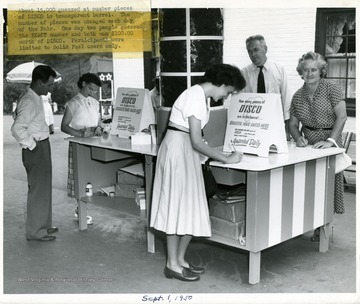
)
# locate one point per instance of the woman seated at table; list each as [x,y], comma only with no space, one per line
[320,107]
[179,203]
[82,119]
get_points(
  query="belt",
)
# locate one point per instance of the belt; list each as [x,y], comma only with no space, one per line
[176,129]
[40,140]
[316,129]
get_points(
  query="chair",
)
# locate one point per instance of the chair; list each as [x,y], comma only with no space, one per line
[350,138]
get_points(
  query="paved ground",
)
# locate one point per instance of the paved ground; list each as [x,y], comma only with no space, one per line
[109,261]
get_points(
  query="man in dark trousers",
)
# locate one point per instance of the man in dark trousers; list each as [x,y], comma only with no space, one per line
[32,132]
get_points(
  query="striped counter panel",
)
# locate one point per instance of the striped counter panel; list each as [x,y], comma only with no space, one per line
[288,201]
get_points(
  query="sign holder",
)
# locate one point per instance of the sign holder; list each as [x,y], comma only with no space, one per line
[255,124]
[133,112]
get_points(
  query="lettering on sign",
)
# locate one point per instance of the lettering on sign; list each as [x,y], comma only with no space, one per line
[86,29]
[255,123]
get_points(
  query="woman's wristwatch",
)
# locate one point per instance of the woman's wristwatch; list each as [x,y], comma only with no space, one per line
[332,141]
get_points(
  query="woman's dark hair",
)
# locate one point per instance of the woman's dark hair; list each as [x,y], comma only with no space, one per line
[229,75]
[42,73]
[89,78]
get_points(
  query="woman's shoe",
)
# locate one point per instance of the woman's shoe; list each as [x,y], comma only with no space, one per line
[315,238]
[316,235]
[186,276]
[195,269]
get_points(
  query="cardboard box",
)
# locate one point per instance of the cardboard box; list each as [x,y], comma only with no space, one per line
[227,176]
[107,155]
[125,190]
[227,229]
[232,212]
[129,179]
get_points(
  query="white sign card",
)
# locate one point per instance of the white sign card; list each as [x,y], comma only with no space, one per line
[133,112]
[255,123]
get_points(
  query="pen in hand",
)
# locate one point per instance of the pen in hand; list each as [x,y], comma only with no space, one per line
[234,155]
[233,146]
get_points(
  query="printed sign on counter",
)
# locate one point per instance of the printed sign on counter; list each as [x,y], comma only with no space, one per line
[255,124]
[133,112]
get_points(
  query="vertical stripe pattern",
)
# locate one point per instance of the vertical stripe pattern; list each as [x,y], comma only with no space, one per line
[275,203]
[320,180]
[309,195]
[290,201]
[298,198]
[263,209]
[287,207]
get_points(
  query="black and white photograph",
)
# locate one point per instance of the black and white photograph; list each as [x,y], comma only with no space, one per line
[167,151]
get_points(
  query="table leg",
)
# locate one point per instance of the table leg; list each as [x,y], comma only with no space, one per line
[149,175]
[151,241]
[82,215]
[324,238]
[254,267]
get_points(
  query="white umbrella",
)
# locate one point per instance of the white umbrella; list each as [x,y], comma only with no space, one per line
[22,73]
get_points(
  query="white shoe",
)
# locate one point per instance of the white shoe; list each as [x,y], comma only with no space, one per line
[89,218]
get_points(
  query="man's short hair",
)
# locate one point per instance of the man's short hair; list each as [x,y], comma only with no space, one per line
[42,73]
[255,37]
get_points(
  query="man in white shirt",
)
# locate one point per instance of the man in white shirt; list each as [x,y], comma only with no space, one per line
[274,78]
[32,133]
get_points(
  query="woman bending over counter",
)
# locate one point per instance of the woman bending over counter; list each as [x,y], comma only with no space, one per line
[179,203]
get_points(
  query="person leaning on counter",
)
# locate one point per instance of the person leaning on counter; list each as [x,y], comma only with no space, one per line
[319,106]
[82,119]
[32,132]
[179,203]
[266,76]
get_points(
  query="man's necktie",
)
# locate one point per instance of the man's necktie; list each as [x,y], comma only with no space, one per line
[261,81]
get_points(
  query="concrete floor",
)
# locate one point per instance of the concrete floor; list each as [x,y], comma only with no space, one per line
[109,262]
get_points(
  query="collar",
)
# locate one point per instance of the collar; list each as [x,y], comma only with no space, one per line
[266,65]
[34,95]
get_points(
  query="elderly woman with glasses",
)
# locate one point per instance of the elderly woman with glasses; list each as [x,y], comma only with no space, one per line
[82,119]
[320,108]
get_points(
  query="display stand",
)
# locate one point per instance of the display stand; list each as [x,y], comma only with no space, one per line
[133,112]
[287,194]
[255,124]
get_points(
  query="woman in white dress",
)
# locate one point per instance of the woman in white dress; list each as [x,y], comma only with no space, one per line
[82,119]
[179,203]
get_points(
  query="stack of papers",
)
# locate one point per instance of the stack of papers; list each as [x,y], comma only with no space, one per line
[107,190]
[137,169]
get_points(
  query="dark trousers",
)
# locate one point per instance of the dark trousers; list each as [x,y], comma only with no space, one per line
[39,175]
